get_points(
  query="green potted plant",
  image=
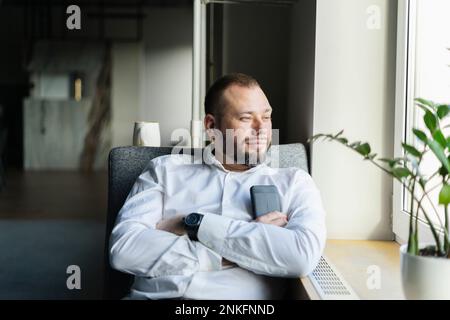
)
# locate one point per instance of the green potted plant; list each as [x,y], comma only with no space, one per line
[425,267]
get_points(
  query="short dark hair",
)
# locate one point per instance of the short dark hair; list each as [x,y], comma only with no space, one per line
[213,97]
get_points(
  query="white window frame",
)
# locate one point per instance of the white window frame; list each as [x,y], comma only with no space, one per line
[404,106]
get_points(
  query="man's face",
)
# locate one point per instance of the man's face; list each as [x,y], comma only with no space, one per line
[246,120]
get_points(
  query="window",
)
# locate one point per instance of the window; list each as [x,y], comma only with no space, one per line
[423,70]
[53,86]
[59,86]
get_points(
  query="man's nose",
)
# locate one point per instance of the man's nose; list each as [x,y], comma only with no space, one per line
[257,123]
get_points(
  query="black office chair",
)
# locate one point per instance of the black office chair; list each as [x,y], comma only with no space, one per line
[125,165]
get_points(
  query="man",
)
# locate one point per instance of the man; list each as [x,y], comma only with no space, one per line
[219,251]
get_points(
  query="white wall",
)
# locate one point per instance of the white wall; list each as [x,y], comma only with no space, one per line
[152,80]
[127,61]
[167,86]
[354,90]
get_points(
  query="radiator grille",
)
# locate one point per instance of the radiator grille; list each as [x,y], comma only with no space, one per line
[329,284]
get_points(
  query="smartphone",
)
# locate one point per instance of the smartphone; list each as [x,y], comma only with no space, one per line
[265,199]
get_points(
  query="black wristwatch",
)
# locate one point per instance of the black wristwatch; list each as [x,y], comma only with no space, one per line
[191,224]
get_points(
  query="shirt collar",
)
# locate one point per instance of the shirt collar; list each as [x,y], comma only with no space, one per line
[211,160]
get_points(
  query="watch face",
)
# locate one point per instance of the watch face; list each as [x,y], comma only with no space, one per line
[192,219]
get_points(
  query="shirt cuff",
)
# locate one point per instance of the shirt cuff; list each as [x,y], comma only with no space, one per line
[208,259]
[213,231]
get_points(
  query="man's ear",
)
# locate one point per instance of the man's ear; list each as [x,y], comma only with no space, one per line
[210,125]
[209,121]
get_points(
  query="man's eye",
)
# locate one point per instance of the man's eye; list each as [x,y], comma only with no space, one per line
[267,117]
[245,118]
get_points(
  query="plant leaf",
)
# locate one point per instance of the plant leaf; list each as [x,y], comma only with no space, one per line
[363,149]
[411,150]
[440,154]
[425,108]
[425,102]
[342,140]
[430,121]
[401,172]
[391,162]
[444,195]
[439,137]
[315,137]
[420,135]
[338,134]
[443,110]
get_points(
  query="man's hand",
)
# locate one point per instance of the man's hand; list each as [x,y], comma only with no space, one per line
[276,218]
[173,225]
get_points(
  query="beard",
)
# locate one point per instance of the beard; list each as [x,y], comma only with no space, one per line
[249,158]
[248,150]
[254,160]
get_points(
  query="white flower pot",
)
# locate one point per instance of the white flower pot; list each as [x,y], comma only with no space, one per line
[424,278]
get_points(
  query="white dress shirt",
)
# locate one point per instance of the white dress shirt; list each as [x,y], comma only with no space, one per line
[169,266]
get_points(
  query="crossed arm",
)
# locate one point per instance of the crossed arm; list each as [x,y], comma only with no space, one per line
[175,225]
[144,244]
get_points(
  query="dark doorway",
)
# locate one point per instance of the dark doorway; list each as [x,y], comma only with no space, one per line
[13,85]
[11,98]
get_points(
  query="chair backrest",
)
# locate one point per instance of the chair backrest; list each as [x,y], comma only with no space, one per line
[125,166]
